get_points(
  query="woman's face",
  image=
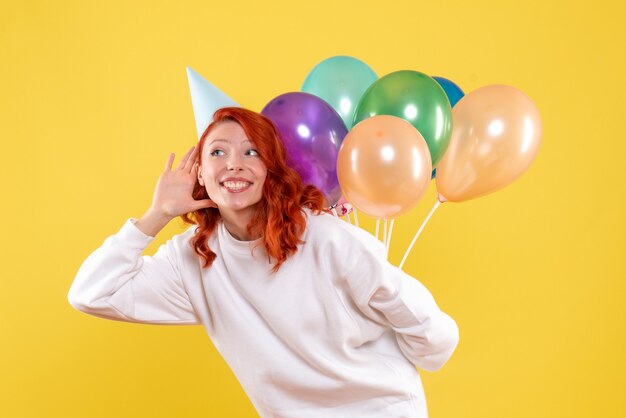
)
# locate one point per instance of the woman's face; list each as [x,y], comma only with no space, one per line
[231,170]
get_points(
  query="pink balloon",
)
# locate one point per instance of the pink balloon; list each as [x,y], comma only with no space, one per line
[496,133]
[384,166]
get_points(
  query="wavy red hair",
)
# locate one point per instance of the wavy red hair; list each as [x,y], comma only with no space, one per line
[279,216]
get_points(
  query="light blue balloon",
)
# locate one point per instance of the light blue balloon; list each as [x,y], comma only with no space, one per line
[340,81]
[453,91]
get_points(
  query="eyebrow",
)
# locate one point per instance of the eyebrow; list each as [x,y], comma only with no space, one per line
[226,140]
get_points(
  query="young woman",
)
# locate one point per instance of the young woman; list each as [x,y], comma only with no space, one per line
[304,307]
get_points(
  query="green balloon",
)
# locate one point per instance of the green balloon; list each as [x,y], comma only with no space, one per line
[416,98]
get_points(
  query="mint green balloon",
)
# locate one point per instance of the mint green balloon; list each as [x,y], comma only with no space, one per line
[416,98]
[340,81]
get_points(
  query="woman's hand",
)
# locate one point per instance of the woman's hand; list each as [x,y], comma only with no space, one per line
[172,195]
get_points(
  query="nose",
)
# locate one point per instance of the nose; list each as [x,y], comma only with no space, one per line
[234,163]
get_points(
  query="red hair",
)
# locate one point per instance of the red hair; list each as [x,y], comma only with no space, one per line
[279,216]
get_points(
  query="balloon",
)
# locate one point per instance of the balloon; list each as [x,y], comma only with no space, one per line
[495,137]
[340,81]
[415,97]
[384,166]
[312,133]
[453,91]
[205,99]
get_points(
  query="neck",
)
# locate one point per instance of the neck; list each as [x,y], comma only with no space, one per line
[236,222]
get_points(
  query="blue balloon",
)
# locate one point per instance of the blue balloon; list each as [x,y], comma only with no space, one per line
[454,94]
[453,91]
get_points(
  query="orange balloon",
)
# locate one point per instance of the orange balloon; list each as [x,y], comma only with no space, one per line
[384,166]
[496,133]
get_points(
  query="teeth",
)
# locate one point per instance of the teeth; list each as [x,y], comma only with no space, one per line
[236,184]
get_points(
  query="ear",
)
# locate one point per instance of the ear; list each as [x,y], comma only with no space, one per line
[200,179]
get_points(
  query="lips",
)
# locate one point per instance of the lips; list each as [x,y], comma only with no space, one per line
[235,184]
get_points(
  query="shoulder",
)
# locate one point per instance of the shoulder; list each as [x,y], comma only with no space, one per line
[180,245]
[186,235]
[344,238]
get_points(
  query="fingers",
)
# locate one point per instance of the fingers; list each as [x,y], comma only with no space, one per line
[204,204]
[170,161]
[191,164]
[186,158]
[187,163]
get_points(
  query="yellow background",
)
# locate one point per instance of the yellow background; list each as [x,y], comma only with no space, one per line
[94,96]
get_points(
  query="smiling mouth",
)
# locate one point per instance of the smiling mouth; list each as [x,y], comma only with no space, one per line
[236,186]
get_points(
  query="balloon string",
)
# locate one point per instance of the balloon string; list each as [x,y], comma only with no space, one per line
[385,232]
[389,238]
[356,219]
[348,218]
[377,227]
[419,231]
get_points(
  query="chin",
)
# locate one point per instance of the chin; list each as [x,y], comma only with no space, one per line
[236,206]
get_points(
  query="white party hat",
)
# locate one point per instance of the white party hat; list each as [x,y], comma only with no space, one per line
[205,99]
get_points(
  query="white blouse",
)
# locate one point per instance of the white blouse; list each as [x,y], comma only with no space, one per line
[336,332]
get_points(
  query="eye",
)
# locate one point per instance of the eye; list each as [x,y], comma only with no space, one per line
[252,152]
[216,153]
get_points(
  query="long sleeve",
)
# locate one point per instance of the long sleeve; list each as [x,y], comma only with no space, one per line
[383,293]
[117,282]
